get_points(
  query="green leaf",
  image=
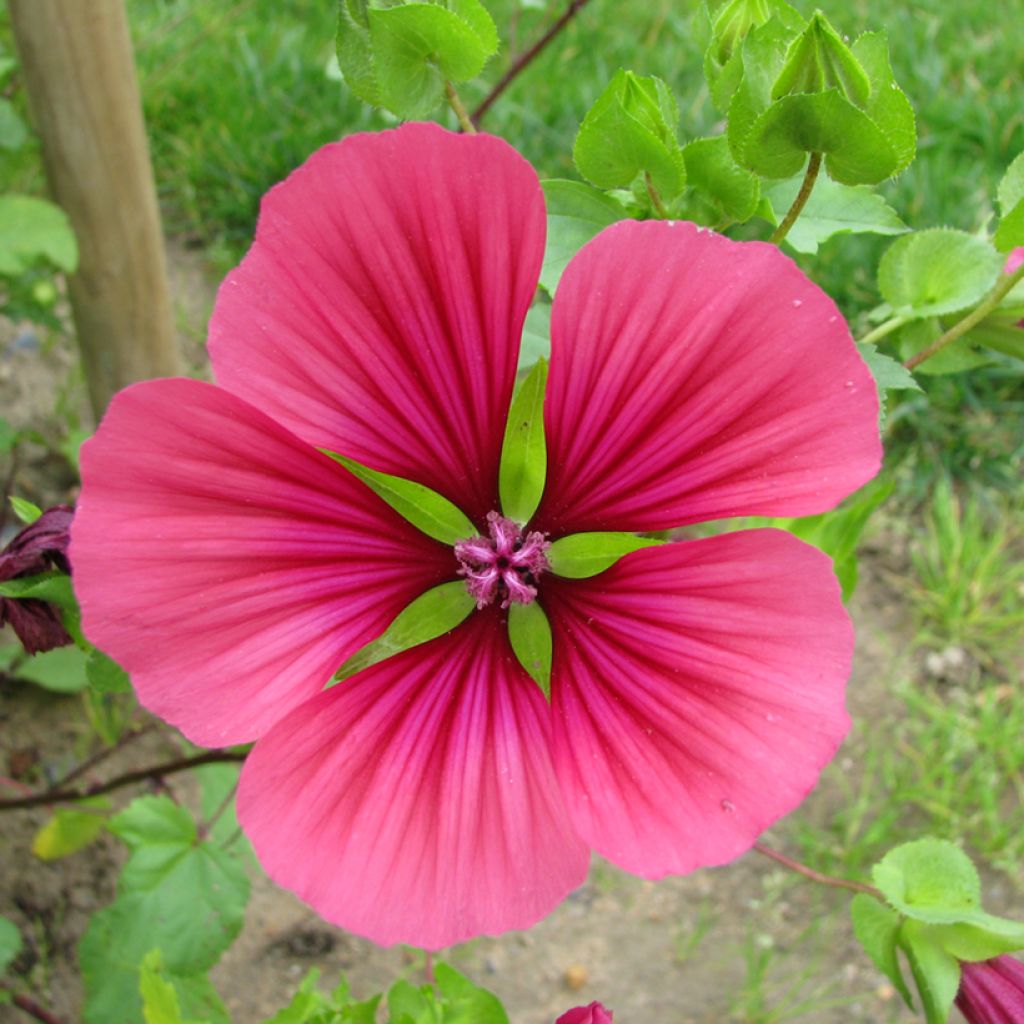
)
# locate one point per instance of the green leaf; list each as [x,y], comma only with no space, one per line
[177,893]
[524,458]
[105,675]
[999,334]
[71,829]
[887,106]
[817,60]
[712,171]
[159,1000]
[431,615]
[930,880]
[417,46]
[464,1002]
[833,209]
[936,973]
[536,343]
[13,132]
[61,670]
[586,554]
[10,942]
[26,511]
[1011,207]
[631,130]
[216,784]
[529,632]
[355,51]
[877,928]
[576,213]
[938,271]
[408,1004]
[955,358]
[427,510]
[889,375]
[34,230]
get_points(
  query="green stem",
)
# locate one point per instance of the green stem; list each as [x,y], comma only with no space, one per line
[882,330]
[1001,288]
[465,121]
[816,876]
[813,166]
[659,206]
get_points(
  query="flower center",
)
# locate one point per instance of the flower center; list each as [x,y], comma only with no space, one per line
[504,566]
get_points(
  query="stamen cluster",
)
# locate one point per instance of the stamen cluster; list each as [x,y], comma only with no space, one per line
[505,565]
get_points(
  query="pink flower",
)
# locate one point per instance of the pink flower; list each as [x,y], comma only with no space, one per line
[992,992]
[231,567]
[40,547]
[595,1013]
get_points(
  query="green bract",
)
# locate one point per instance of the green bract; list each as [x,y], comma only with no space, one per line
[398,55]
[631,131]
[811,93]
[586,554]
[524,452]
[529,632]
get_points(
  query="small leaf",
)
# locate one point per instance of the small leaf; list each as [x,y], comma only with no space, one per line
[586,554]
[427,510]
[631,130]
[464,1002]
[576,213]
[431,615]
[1011,207]
[889,375]
[33,230]
[712,171]
[536,343]
[26,511]
[10,942]
[61,670]
[71,829]
[529,632]
[936,973]
[877,928]
[105,675]
[938,271]
[833,209]
[524,451]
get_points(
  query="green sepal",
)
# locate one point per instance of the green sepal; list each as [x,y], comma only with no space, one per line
[631,131]
[877,930]
[26,511]
[937,271]
[936,973]
[576,213]
[887,105]
[529,633]
[32,231]
[712,172]
[832,209]
[427,510]
[819,60]
[524,451]
[429,616]
[582,555]
[54,588]
[1010,194]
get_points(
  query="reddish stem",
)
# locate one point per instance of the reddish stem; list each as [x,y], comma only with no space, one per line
[816,876]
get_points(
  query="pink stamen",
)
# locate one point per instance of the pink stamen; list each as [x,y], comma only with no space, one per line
[505,565]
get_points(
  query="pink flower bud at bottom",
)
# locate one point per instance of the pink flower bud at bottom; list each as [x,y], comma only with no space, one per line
[991,992]
[595,1013]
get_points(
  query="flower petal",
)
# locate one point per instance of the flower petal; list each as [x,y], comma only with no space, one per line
[379,311]
[416,802]
[693,377]
[697,693]
[228,566]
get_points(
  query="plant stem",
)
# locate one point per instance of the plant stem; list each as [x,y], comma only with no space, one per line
[465,121]
[100,756]
[156,771]
[32,1008]
[517,66]
[816,876]
[813,166]
[206,826]
[659,206]
[1001,288]
[428,966]
[881,331]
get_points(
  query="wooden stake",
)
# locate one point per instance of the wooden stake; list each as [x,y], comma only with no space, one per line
[78,68]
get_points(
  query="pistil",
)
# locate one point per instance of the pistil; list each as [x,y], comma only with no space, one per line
[504,566]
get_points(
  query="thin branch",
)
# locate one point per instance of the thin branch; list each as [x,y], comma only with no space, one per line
[879,332]
[816,876]
[516,68]
[101,755]
[465,121]
[1002,287]
[652,192]
[813,166]
[156,771]
[31,1007]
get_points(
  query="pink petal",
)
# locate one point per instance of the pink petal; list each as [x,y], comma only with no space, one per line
[697,694]
[692,378]
[379,311]
[416,802]
[228,566]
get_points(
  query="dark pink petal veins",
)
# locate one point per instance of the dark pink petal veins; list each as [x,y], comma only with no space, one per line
[379,311]
[692,378]
[416,802]
[227,565]
[697,693]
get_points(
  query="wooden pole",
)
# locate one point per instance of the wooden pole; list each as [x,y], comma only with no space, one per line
[78,68]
